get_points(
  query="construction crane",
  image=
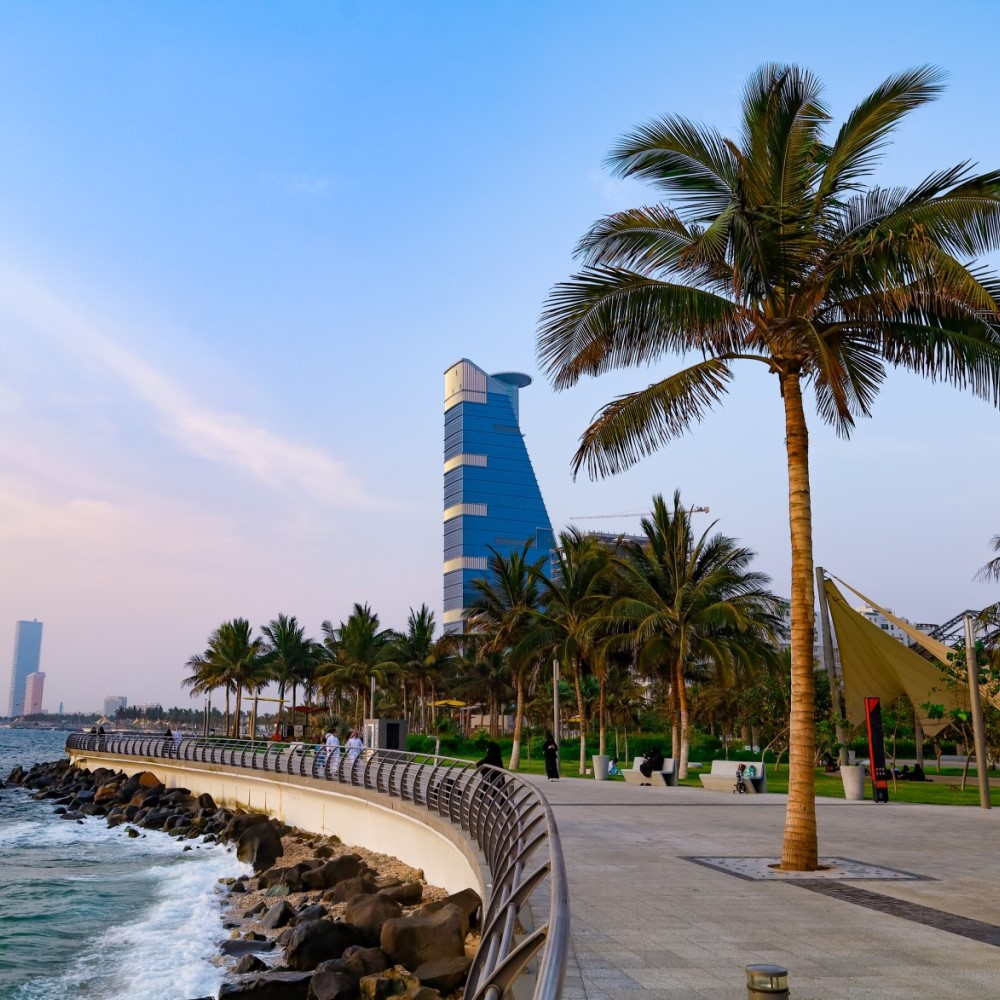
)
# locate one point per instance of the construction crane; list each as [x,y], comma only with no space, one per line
[640,513]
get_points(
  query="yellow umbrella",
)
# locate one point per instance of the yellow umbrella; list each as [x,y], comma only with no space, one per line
[449,704]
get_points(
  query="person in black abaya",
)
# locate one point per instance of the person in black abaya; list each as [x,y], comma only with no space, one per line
[653,762]
[551,754]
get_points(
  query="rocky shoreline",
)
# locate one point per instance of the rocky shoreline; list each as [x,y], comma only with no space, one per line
[329,922]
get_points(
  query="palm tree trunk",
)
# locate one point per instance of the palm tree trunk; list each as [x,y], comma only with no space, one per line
[799,849]
[515,751]
[675,717]
[682,712]
[422,711]
[227,708]
[236,714]
[600,715]
[579,710]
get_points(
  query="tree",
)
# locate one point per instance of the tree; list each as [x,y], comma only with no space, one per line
[290,656]
[776,253]
[413,654]
[232,660]
[501,616]
[991,571]
[568,623]
[690,601]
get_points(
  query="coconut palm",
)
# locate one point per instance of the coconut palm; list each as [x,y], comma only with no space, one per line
[501,615]
[289,654]
[774,251]
[569,623]
[991,571]
[691,601]
[413,654]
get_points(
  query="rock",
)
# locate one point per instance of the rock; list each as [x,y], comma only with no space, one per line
[444,974]
[205,801]
[314,941]
[361,962]
[249,963]
[344,892]
[314,912]
[369,913]
[132,831]
[324,851]
[279,915]
[421,937]
[269,986]
[394,983]
[278,890]
[259,845]
[331,872]
[467,901]
[333,986]
[241,822]
[407,893]
[237,946]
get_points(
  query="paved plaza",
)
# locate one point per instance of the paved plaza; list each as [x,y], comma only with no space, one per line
[911,908]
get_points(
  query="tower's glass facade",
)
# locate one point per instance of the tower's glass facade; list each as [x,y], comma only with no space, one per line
[491,496]
[27,654]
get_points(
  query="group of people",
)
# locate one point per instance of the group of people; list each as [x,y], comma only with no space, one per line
[331,748]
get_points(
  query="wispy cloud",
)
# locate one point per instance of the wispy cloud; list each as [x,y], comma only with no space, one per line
[232,439]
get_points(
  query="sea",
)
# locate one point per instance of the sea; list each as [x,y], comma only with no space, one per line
[85,911]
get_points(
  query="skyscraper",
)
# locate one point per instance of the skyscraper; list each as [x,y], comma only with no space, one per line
[33,688]
[112,703]
[491,495]
[27,654]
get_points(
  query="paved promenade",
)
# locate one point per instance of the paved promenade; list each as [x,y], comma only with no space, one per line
[647,921]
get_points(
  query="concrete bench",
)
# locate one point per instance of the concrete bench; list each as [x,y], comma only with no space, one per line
[635,777]
[722,777]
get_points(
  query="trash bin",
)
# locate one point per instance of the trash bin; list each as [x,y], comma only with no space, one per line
[601,766]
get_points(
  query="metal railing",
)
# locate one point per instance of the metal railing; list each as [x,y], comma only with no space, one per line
[506,816]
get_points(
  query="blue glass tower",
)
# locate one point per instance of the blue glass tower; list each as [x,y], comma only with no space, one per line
[27,654]
[491,496]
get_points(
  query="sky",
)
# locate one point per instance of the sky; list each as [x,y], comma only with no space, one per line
[240,244]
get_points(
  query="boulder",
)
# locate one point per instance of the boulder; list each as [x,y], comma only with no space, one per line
[205,801]
[467,901]
[407,893]
[249,963]
[278,916]
[239,946]
[331,872]
[344,892]
[361,962]
[395,983]
[314,912]
[444,974]
[269,986]
[241,822]
[259,845]
[333,986]
[369,913]
[421,937]
[314,941]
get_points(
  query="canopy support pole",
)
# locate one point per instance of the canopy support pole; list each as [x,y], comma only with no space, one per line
[976,704]
[836,703]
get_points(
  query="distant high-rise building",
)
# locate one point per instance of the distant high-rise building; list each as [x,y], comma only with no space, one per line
[112,703]
[27,656]
[491,495]
[33,687]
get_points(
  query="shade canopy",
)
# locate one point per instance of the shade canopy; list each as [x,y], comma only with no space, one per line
[875,665]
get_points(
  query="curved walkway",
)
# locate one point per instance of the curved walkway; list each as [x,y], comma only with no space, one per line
[647,921]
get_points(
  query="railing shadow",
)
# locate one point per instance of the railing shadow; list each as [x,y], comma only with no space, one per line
[507,817]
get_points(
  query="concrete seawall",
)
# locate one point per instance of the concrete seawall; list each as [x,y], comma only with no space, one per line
[358,816]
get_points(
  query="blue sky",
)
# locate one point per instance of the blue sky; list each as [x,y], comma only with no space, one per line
[240,243]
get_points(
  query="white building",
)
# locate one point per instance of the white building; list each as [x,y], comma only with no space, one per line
[112,703]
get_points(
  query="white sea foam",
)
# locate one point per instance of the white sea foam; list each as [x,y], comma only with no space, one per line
[165,951]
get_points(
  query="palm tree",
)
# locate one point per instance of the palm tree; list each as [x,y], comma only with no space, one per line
[991,571]
[289,654]
[206,676]
[691,601]
[413,654]
[232,660]
[359,652]
[501,615]
[568,625]
[775,252]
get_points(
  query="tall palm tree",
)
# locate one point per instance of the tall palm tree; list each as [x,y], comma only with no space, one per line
[289,654]
[359,651]
[991,571]
[689,601]
[501,615]
[568,625]
[413,654]
[233,660]
[206,676]
[775,252]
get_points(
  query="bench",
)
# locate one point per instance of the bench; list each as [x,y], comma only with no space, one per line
[722,777]
[634,776]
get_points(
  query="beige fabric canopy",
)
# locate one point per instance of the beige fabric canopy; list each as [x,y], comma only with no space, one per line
[875,665]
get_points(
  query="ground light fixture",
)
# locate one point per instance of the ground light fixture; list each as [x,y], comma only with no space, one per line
[766,981]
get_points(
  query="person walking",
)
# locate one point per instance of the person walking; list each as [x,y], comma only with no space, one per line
[551,753]
[354,747]
[333,750]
